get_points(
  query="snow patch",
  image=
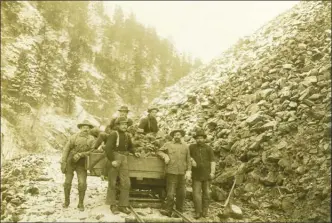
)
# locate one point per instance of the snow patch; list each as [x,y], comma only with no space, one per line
[11,146]
[92,71]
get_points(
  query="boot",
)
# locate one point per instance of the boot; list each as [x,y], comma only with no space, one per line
[198,215]
[166,212]
[180,210]
[81,194]
[67,196]
[114,209]
[205,212]
[124,210]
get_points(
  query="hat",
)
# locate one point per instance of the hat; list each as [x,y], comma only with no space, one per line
[124,108]
[153,108]
[177,130]
[121,120]
[200,133]
[85,123]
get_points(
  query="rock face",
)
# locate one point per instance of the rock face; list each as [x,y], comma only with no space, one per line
[17,179]
[266,102]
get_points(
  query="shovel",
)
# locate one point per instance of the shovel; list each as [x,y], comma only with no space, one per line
[229,195]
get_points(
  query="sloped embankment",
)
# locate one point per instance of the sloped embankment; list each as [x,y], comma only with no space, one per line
[267,107]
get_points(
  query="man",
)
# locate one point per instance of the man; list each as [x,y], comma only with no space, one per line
[178,168]
[102,137]
[117,148]
[123,110]
[203,170]
[200,125]
[73,159]
[149,124]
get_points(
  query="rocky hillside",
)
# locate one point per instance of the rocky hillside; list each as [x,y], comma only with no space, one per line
[53,53]
[62,62]
[267,106]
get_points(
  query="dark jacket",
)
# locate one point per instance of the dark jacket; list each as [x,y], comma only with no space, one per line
[149,124]
[203,156]
[125,144]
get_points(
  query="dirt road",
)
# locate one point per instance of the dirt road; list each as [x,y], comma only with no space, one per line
[32,190]
[45,203]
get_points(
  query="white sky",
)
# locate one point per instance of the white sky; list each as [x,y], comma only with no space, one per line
[203,28]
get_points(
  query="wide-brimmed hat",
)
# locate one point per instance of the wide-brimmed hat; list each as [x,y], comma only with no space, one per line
[183,133]
[85,123]
[152,108]
[200,133]
[124,108]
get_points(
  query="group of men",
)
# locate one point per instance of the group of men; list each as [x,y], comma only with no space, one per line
[183,162]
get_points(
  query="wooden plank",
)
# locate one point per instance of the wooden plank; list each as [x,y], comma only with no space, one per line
[139,219]
[181,215]
[143,167]
[146,174]
[146,164]
[154,219]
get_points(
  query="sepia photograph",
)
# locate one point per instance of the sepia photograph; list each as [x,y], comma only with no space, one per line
[165,111]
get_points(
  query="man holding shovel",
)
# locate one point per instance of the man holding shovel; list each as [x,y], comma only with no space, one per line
[203,170]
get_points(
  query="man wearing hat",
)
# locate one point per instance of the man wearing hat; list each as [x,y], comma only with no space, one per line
[102,137]
[73,159]
[123,110]
[199,126]
[149,123]
[178,168]
[203,170]
[117,148]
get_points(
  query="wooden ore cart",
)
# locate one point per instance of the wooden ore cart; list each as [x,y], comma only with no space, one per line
[147,174]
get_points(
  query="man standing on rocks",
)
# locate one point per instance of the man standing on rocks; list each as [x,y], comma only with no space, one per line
[117,148]
[200,125]
[149,123]
[178,168]
[73,159]
[203,170]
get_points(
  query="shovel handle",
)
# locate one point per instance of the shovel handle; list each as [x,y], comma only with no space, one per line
[229,195]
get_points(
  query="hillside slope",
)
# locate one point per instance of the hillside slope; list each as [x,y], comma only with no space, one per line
[62,62]
[267,105]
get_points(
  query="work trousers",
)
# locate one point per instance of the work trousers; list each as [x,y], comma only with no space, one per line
[81,172]
[102,137]
[201,196]
[123,173]
[175,186]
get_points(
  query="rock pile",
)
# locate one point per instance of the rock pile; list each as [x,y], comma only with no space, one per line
[147,145]
[17,184]
[266,102]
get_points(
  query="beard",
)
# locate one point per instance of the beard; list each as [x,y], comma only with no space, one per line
[177,139]
[85,131]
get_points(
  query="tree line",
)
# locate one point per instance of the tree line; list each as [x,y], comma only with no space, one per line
[135,62]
